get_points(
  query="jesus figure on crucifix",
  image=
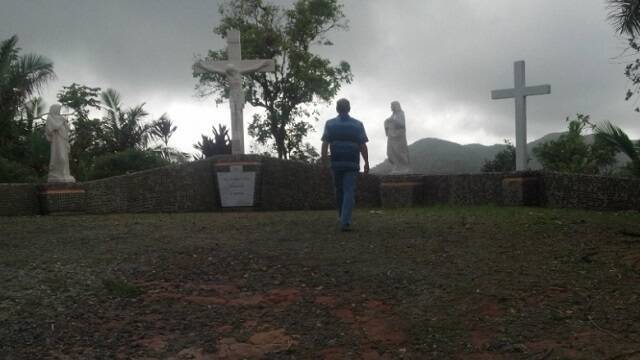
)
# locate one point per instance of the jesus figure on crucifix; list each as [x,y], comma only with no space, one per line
[233,69]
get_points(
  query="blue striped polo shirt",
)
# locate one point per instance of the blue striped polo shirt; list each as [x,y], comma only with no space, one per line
[345,135]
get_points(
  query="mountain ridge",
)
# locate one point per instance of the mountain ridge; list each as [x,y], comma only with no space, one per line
[434,156]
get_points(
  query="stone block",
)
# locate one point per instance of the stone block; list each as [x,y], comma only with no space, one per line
[401,191]
[521,191]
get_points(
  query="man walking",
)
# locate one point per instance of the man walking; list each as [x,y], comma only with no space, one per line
[347,139]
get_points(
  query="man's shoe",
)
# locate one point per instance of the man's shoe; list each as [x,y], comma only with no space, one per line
[345,227]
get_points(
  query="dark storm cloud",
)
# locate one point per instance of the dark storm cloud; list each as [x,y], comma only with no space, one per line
[138,44]
[440,59]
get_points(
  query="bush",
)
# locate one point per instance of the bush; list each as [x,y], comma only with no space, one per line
[124,162]
[14,172]
[504,161]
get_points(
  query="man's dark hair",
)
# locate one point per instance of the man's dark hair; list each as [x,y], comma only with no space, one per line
[343,106]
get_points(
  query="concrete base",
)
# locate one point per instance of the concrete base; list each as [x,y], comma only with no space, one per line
[61,198]
[401,191]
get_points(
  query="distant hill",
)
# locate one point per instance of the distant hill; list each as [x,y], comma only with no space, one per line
[437,156]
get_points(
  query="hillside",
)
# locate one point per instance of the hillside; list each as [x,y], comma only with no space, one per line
[437,156]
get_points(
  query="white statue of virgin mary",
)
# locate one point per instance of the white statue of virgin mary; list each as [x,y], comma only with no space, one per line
[397,150]
[57,132]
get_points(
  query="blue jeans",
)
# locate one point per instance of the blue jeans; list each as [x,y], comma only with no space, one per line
[345,181]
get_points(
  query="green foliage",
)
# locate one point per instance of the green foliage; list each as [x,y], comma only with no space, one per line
[302,79]
[21,76]
[39,152]
[162,129]
[570,153]
[86,135]
[306,153]
[126,161]
[14,172]
[126,129]
[624,15]
[80,98]
[504,161]
[220,144]
[618,139]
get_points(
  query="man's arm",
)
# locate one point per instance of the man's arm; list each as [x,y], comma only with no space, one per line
[365,155]
[325,153]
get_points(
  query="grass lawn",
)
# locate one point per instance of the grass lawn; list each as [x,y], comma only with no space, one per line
[432,283]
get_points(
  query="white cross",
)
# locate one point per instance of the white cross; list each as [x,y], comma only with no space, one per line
[234,67]
[520,93]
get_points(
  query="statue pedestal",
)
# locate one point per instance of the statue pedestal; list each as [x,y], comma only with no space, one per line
[401,191]
[61,198]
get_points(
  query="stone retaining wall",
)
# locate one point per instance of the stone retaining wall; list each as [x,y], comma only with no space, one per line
[291,185]
[590,192]
[19,199]
[465,189]
[186,187]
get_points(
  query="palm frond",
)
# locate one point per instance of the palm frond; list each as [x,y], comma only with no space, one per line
[111,99]
[31,73]
[163,129]
[8,54]
[616,137]
[624,15]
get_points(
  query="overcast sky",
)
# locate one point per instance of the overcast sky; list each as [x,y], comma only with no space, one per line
[439,58]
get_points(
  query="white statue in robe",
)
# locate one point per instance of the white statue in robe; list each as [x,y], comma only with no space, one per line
[397,150]
[57,132]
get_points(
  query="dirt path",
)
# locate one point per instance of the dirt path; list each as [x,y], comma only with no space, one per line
[442,283]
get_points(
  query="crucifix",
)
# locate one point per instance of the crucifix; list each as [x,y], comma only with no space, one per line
[233,68]
[520,93]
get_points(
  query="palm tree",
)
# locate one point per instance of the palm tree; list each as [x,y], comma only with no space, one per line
[625,16]
[21,76]
[123,130]
[617,138]
[163,129]
[218,145]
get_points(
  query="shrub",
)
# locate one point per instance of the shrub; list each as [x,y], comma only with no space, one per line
[124,162]
[14,172]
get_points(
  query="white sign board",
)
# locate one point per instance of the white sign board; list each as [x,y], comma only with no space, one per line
[237,188]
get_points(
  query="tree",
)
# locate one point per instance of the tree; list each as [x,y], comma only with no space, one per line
[302,79]
[86,141]
[123,130]
[624,15]
[21,76]
[37,149]
[570,153]
[504,161]
[162,129]
[617,138]
[220,144]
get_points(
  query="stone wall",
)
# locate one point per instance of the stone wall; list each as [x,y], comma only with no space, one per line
[292,185]
[186,187]
[465,189]
[19,199]
[590,192]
